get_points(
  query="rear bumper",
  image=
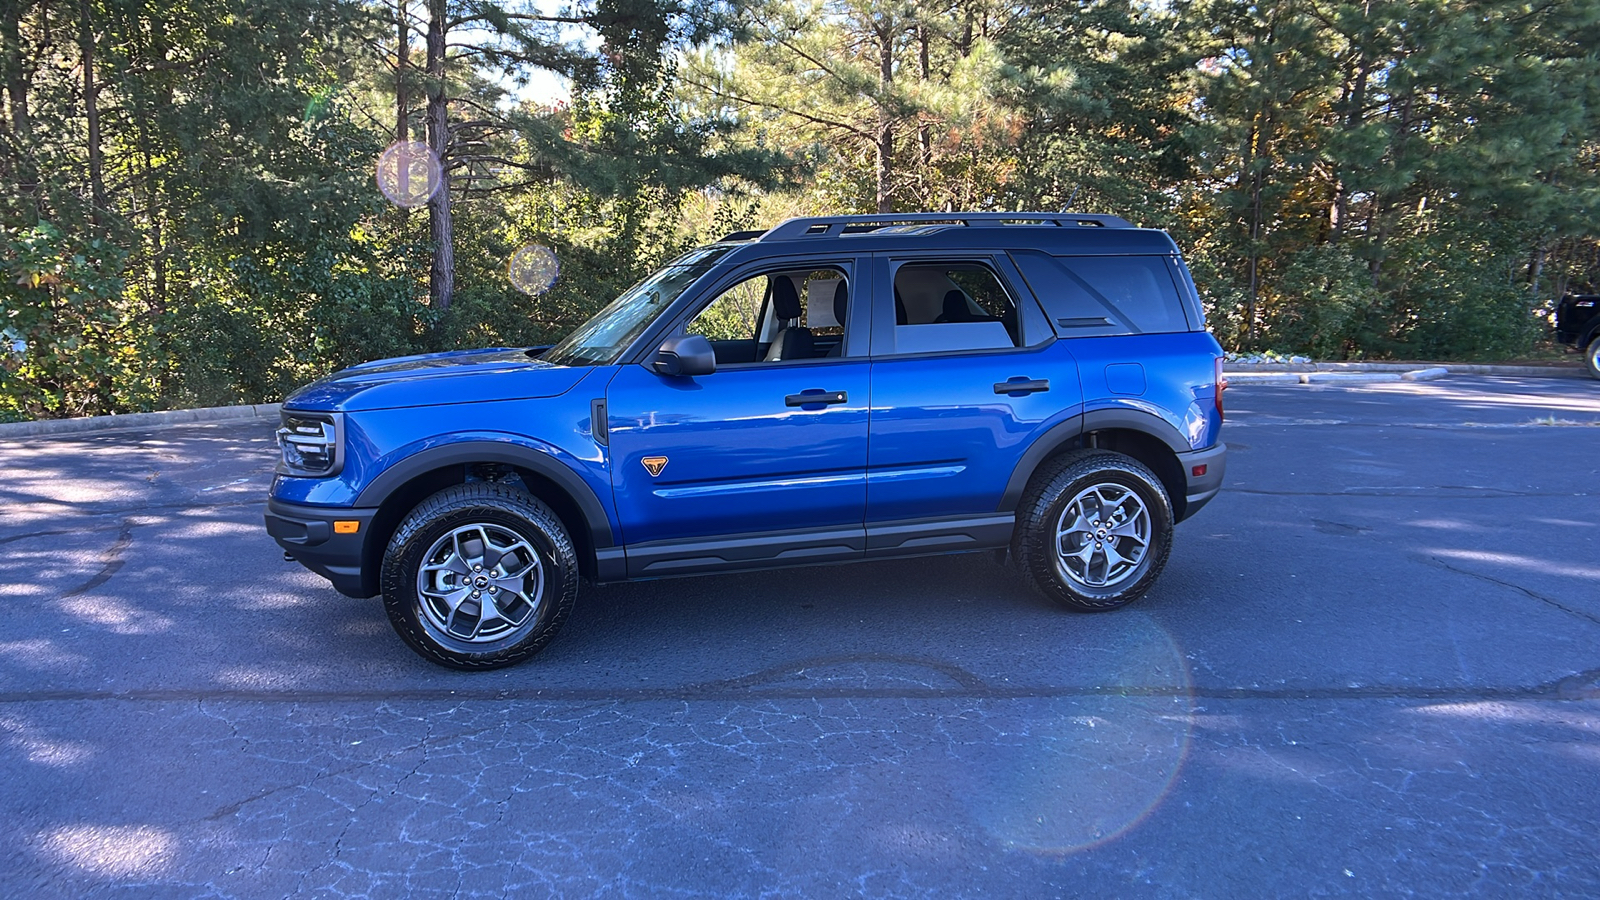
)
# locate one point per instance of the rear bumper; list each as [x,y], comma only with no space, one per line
[1201,488]
[307,534]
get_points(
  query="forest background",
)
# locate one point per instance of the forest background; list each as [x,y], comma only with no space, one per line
[195,213]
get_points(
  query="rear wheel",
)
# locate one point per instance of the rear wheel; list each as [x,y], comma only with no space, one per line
[479,576]
[1093,530]
[1591,357]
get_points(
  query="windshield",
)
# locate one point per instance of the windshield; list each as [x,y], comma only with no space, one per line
[599,341]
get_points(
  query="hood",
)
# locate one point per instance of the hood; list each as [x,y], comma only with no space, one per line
[460,376]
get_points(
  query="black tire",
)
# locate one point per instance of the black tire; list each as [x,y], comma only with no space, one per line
[499,516]
[1591,357]
[1059,484]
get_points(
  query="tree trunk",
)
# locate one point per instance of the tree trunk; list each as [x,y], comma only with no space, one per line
[91,109]
[402,55]
[442,274]
[15,69]
[885,142]
[1339,211]
[18,120]
[925,130]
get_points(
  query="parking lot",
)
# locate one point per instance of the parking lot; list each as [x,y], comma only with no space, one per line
[1372,667]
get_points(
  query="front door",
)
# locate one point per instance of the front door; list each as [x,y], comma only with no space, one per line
[759,463]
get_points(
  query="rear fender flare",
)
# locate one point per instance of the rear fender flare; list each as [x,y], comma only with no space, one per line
[1069,431]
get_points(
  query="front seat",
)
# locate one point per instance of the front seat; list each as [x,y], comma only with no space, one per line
[841,306]
[793,341]
[956,309]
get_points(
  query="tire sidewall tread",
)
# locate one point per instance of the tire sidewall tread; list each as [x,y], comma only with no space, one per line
[458,505]
[1050,489]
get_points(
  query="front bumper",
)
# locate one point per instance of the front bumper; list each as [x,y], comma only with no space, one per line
[307,534]
[1201,488]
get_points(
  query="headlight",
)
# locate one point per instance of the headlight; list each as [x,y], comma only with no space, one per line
[309,443]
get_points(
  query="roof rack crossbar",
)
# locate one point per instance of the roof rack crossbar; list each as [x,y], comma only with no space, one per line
[836,225]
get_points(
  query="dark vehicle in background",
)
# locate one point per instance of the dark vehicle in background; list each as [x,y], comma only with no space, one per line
[1578,324]
[834,389]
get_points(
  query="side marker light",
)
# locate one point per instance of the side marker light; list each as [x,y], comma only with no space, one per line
[346,527]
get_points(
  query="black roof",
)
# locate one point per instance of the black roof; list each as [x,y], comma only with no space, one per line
[1057,233]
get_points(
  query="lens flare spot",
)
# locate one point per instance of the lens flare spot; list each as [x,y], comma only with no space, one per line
[534,268]
[409,173]
[1082,771]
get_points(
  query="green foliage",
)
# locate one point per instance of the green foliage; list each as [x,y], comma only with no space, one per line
[63,299]
[1323,305]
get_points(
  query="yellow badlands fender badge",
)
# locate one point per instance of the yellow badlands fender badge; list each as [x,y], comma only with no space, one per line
[654,464]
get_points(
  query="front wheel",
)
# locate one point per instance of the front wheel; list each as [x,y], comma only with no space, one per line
[479,576]
[1591,357]
[1093,530]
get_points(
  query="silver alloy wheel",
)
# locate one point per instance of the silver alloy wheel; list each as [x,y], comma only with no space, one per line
[479,582]
[1102,536]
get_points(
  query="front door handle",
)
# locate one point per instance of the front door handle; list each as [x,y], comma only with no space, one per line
[807,398]
[1022,386]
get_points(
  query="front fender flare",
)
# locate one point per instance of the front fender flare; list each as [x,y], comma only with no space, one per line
[542,462]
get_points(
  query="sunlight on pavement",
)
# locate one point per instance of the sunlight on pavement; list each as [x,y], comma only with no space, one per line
[117,851]
[40,749]
[1542,565]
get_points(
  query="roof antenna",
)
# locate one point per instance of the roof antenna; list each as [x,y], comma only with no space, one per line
[1070,200]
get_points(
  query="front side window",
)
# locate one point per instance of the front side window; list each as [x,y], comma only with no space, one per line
[777,316]
[733,315]
[952,306]
[602,339]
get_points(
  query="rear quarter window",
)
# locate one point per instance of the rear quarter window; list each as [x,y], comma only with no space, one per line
[1090,296]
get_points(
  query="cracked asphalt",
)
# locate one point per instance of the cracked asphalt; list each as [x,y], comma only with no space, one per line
[1372,668]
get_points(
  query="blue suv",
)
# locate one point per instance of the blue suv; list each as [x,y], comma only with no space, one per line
[834,389]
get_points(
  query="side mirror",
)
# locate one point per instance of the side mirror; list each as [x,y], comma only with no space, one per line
[685,355]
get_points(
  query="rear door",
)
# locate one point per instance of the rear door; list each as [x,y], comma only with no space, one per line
[966,371]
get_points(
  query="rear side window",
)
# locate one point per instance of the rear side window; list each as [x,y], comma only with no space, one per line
[951,306]
[1088,296]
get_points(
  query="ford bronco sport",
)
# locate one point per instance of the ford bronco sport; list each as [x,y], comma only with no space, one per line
[834,389]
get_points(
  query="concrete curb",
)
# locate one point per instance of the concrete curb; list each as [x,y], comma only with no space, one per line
[266,411]
[1449,368]
[1371,376]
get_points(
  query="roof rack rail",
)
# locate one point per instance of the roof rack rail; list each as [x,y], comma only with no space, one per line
[817,226]
[741,236]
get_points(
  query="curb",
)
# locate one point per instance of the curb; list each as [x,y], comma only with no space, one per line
[1433,373]
[268,411]
[1262,371]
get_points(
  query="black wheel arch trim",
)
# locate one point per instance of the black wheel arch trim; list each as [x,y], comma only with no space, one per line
[464,452]
[1590,335]
[1065,432]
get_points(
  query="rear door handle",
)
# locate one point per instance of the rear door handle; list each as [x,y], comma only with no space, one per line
[807,398]
[1022,386]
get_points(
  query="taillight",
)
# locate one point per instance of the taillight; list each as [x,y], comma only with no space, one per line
[1222,385]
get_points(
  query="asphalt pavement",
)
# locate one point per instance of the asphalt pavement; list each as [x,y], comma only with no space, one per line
[1372,668]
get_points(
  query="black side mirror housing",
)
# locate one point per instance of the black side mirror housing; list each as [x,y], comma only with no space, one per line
[685,355]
